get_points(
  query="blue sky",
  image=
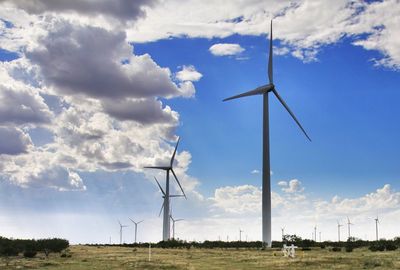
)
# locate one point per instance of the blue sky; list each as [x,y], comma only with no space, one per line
[87,105]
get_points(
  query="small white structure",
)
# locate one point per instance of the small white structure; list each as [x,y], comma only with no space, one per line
[289,251]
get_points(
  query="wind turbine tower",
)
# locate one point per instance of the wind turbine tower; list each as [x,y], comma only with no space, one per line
[166,216]
[348,226]
[240,235]
[376,227]
[266,170]
[136,224]
[315,233]
[283,232]
[338,227]
[120,231]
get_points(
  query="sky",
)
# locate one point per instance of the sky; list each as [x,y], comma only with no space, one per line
[93,91]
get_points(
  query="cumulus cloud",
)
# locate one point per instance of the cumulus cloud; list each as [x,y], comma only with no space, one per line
[98,63]
[119,9]
[292,187]
[13,141]
[189,73]
[223,49]
[21,103]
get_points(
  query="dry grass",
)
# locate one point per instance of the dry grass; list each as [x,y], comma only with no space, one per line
[84,257]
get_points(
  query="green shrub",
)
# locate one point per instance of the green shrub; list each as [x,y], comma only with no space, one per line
[377,247]
[336,249]
[390,246]
[30,253]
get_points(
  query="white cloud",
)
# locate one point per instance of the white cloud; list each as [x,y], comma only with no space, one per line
[189,73]
[292,187]
[282,183]
[14,141]
[224,49]
[255,171]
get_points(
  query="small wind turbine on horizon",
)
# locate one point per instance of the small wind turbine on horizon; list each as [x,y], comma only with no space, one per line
[120,231]
[173,225]
[348,226]
[315,233]
[266,170]
[339,225]
[166,195]
[240,235]
[376,227]
[136,224]
[283,232]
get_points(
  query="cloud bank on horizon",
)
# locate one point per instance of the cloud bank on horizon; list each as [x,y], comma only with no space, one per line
[101,107]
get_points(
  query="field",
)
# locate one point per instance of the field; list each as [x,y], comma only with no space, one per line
[89,257]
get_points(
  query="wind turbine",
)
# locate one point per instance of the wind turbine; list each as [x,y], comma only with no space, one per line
[266,171]
[120,231]
[166,219]
[283,232]
[173,225]
[376,227]
[348,226]
[240,235]
[136,224]
[315,233]
[338,227]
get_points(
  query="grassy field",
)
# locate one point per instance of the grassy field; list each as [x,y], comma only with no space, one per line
[85,257]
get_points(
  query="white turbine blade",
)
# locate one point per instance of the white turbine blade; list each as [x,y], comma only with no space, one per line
[179,219]
[140,221]
[132,220]
[157,167]
[176,178]
[270,69]
[162,207]
[119,223]
[173,155]
[258,91]
[290,112]
[172,196]
[159,186]
[170,216]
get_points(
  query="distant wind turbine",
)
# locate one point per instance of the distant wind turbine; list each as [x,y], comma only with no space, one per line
[120,231]
[173,225]
[240,235]
[266,171]
[338,227]
[315,233]
[166,217]
[376,227]
[348,226]
[283,232]
[136,224]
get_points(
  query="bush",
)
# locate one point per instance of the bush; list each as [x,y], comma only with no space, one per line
[306,248]
[349,248]
[336,249]
[390,246]
[377,247]
[30,253]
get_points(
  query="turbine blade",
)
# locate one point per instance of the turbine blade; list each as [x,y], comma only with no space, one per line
[179,219]
[290,112]
[258,91]
[140,221]
[159,186]
[157,167]
[162,207]
[172,196]
[132,220]
[173,155]
[119,223]
[176,178]
[270,70]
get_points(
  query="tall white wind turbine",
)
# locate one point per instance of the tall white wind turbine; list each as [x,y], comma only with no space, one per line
[166,216]
[266,171]
[376,227]
[348,226]
[173,225]
[136,225]
[120,231]
[338,228]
